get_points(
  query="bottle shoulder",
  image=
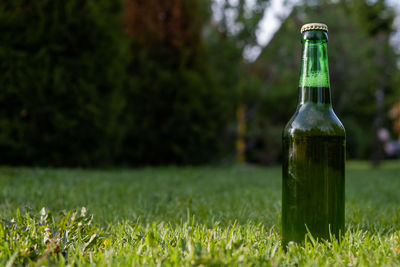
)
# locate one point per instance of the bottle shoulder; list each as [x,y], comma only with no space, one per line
[314,120]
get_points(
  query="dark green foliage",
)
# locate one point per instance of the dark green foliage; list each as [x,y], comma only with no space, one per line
[73,94]
[176,112]
[62,68]
[76,90]
[174,115]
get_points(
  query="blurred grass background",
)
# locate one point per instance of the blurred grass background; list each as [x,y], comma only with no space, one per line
[212,194]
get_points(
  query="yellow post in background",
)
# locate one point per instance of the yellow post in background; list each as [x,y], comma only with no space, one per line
[394,114]
[241,133]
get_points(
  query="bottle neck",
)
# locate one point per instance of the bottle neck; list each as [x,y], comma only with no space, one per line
[314,84]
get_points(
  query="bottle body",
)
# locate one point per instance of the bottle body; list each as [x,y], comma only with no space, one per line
[313,183]
[313,170]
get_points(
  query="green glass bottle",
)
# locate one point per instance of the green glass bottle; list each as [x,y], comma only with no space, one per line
[313,150]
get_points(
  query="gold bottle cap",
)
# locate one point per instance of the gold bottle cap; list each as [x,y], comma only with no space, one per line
[314,26]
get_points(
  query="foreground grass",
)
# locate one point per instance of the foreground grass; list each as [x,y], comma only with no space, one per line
[185,216]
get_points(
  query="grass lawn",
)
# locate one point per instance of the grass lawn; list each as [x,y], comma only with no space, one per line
[185,216]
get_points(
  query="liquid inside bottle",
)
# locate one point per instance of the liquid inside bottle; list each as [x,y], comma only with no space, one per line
[313,153]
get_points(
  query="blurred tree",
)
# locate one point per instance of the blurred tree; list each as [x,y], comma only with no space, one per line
[176,113]
[76,90]
[376,18]
[239,20]
[231,37]
[62,68]
[352,55]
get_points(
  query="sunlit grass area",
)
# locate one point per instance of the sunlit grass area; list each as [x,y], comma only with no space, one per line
[185,216]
